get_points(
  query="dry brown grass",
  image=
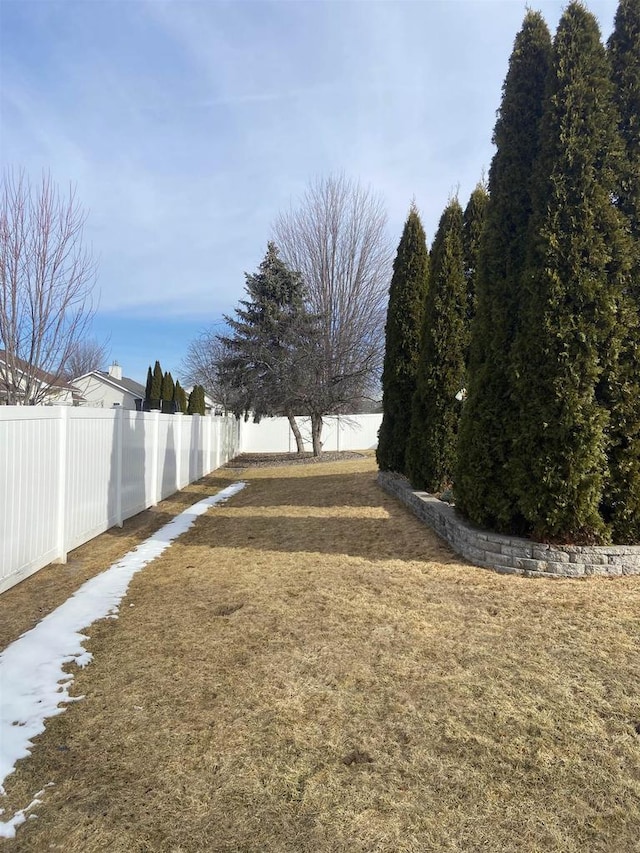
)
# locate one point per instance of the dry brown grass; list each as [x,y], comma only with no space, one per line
[310,669]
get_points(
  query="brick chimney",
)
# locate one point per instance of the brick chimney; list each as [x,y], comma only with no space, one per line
[115,371]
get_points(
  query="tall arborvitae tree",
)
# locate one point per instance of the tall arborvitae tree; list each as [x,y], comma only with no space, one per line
[196,404]
[402,342]
[472,230]
[567,343]
[202,404]
[482,483]
[168,388]
[156,385]
[180,398]
[147,390]
[621,504]
[435,413]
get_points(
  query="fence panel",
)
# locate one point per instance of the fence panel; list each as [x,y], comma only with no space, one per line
[29,486]
[137,428]
[167,470]
[91,492]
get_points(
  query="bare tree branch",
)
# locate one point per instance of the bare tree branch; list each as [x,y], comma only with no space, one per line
[337,239]
[86,355]
[46,282]
[204,365]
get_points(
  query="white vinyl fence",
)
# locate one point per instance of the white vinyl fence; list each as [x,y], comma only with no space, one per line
[67,474]
[339,432]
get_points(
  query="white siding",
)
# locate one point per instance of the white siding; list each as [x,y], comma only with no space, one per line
[102,395]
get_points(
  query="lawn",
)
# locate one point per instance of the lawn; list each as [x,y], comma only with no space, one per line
[311,669]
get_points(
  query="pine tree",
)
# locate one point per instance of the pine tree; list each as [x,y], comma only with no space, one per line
[472,230]
[272,352]
[621,505]
[435,413]
[168,388]
[404,325]
[566,346]
[147,390]
[156,385]
[482,483]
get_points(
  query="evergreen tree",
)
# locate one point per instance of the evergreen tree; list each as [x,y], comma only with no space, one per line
[196,404]
[272,353]
[202,408]
[168,387]
[482,484]
[156,385]
[180,398]
[147,390]
[472,230]
[621,505]
[624,56]
[404,325]
[431,449]
[566,347]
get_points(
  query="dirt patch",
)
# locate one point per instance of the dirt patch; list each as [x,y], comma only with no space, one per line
[372,693]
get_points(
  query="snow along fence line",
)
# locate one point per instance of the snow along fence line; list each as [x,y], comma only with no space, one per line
[34,682]
[68,474]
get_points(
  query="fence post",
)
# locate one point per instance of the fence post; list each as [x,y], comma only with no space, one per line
[338,434]
[62,484]
[178,442]
[119,451]
[219,425]
[207,463]
[155,435]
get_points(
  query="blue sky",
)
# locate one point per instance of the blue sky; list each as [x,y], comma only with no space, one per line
[187,126]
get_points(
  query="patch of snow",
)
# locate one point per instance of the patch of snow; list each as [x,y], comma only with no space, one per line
[34,685]
[8,829]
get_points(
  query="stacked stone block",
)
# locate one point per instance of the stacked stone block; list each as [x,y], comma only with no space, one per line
[511,554]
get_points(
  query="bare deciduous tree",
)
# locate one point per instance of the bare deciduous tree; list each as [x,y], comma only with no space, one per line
[202,365]
[87,355]
[46,282]
[337,239]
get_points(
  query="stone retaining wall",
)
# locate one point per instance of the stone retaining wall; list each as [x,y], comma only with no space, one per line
[510,554]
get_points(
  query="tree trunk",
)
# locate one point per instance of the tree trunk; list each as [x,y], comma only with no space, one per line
[316,431]
[295,429]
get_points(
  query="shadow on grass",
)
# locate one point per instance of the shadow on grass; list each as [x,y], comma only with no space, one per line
[397,535]
[149,520]
[351,489]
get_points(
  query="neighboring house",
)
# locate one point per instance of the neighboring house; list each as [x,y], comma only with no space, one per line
[105,390]
[47,389]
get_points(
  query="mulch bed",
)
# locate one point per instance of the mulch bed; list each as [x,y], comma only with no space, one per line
[276,460]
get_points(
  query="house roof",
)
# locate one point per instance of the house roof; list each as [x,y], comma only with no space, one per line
[124,384]
[41,375]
